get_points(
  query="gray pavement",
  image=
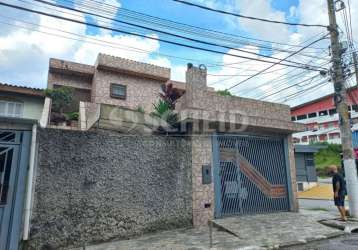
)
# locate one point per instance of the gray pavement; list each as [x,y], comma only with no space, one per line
[346,242]
[279,229]
[252,232]
[311,204]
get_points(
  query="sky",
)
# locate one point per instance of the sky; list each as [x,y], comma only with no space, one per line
[27,41]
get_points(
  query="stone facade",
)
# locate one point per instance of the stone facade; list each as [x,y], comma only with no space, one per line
[93,83]
[97,186]
[201,108]
[203,194]
[141,92]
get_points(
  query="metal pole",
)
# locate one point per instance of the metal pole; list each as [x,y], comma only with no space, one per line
[211,233]
[342,109]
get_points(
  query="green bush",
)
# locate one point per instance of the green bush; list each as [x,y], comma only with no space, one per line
[224,92]
[162,110]
[72,116]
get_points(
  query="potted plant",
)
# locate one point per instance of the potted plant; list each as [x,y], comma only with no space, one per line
[61,99]
[72,119]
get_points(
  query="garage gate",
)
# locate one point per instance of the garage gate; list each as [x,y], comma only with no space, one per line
[250,175]
[14,155]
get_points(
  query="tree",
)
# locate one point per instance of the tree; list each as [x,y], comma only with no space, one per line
[61,99]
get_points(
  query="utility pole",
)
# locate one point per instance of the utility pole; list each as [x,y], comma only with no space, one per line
[342,109]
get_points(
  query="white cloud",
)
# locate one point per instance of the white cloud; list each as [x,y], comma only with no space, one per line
[88,52]
[24,54]
[261,9]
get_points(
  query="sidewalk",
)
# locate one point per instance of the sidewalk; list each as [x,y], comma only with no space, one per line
[265,231]
[323,191]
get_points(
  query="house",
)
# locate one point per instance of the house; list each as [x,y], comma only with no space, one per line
[19,103]
[321,119]
[21,110]
[112,80]
[225,156]
[305,166]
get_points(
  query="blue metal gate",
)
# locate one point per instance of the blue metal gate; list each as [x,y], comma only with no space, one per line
[14,155]
[250,175]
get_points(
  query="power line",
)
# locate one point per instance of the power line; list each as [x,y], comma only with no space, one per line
[103,42]
[291,86]
[149,37]
[169,23]
[162,32]
[248,17]
[294,95]
[282,82]
[260,72]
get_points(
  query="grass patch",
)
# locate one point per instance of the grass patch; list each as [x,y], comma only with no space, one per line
[326,157]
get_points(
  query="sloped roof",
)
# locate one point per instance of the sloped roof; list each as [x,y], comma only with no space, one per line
[5,87]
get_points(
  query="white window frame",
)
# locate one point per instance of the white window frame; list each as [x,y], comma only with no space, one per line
[12,114]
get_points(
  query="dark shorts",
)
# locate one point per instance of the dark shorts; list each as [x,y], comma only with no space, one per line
[339,201]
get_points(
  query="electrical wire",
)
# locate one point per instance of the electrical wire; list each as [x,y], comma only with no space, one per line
[163,32]
[173,24]
[248,17]
[101,42]
[148,37]
[271,66]
[288,87]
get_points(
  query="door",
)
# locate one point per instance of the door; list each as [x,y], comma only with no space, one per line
[13,163]
[249,175]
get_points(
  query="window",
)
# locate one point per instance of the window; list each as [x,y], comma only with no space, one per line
[11,109]
[293,118]
[311,115]
[118,91]
[323,113]
[334,136]
[355,107]
[312,138]
[301,117]
[322,137]
[332,111]
[304,139]
[349,108]
[309,162]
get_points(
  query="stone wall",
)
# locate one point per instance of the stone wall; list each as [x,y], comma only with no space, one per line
[99,185]
[130,67]
[203,194]
[141,92]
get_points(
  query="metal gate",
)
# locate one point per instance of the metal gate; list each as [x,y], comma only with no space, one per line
[14,155]
[250,175]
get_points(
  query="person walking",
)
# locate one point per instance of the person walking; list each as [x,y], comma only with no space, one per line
[339,190]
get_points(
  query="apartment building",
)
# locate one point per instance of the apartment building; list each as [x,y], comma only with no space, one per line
[321,119]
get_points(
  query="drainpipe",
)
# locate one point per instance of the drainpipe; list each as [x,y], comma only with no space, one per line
[29,185]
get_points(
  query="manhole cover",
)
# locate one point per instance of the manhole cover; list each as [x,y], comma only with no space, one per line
[350,242]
